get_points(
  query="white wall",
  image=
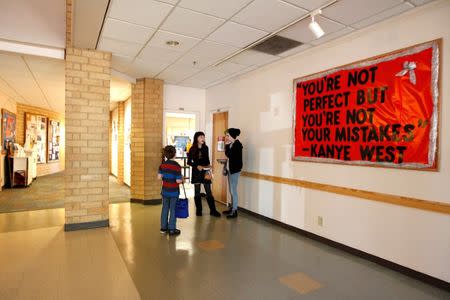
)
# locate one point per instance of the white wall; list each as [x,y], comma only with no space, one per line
[189,99]
[260,103]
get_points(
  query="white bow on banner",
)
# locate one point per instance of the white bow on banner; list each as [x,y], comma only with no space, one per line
[408,67]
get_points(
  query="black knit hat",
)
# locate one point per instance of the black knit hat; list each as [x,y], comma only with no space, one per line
[234,132]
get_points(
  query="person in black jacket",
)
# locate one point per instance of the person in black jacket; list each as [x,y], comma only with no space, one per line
[233,150]
[198,159]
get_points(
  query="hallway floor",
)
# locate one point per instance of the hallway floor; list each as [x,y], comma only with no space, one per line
[212,259]
[47,192]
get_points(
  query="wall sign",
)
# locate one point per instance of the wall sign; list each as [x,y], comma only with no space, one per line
[36,135]
[54,138]
[8,128]
[382,111]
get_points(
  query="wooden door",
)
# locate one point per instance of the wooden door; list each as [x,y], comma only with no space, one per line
[219,186]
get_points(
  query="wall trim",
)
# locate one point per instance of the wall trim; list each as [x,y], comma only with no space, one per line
[146,201]
[86,225]
[367,256]
[427,205]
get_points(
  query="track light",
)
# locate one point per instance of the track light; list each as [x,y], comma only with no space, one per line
[314,26]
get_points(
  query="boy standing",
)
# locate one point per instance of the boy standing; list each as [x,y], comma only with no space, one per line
[170,173]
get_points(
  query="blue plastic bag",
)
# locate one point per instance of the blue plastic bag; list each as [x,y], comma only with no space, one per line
[182,207]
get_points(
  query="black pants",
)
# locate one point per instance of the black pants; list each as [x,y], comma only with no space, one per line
[209,197]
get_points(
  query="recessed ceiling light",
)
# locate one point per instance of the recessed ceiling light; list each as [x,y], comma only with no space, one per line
[172,43]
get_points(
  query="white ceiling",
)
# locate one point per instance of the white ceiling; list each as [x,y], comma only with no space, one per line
[40,81]
[136,31]
[40,22]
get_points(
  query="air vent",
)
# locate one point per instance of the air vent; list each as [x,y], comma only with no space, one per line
[276,45]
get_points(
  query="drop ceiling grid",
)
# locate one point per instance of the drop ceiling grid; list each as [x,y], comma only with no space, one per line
[232,18]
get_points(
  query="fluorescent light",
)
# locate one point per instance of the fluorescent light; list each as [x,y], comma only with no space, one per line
[314,26]
[31,49]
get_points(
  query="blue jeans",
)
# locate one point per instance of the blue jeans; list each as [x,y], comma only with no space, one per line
[232,185]
[168,213]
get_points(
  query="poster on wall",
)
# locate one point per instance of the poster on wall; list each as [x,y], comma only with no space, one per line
[54,137]
[382,111]
[8,128]
[36,135]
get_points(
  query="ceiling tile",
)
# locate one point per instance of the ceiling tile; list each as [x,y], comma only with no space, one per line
[252,57]
[120,89]
[207,53]
[141,68]
[173,2]
[351,11]
[222,9]
[268,15]
[176,73]
[121,63]
[295,50]
[119,47]
[384,15]
[203,78]
[229,67]
[300,31]
[236,34]
[419,2]
[124,31]
[156,53]
[190,23]
[308,4]
[332,36]
[161,37]
[142,12]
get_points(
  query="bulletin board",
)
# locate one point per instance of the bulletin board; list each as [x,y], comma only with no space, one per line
[382,111]
[54,138]
[36,135]
[8,128]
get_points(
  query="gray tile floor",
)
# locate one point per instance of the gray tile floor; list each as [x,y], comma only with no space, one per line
[254,257]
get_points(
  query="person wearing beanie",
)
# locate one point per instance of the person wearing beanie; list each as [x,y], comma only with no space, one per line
[233,151]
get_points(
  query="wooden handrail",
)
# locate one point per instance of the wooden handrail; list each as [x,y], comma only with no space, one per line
[427,205]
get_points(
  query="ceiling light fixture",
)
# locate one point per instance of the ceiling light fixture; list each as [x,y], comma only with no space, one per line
[172,43]
[314,26]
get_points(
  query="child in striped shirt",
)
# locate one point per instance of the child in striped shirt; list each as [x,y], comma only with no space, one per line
[170,174]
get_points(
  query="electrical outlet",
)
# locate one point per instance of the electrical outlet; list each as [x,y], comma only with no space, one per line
[320,221]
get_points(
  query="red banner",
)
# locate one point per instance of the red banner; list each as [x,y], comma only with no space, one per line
[381,111]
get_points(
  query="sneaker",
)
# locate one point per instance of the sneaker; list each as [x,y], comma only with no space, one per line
[174,232]
[233,215]
[163,231]
[215,213]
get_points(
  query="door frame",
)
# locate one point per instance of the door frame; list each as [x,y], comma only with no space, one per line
[212,144]
[179,111]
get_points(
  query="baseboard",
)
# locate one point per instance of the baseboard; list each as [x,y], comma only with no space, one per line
[86,225]
[370,257]
[146,201]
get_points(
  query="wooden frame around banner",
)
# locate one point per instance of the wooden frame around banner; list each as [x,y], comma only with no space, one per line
[46,137]
[436,166]
[3,111]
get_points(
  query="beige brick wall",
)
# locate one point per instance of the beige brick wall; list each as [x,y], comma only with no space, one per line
[49,167]
[146,138]
[88,77]
[69,23]
[120,144]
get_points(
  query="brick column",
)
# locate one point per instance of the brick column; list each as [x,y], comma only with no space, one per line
[120,142]
[88,77]
[146,140]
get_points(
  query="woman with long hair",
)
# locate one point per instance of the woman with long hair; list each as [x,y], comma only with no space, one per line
[198,159]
